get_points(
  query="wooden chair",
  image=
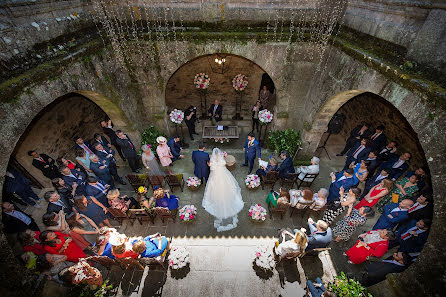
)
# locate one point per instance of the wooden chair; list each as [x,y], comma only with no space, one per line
[289,180]
[280,208]
[303,182]
[154,180]
[165,213]
[270,179]
[136,180]
[317,213]
[141,215]
[118,214]
[175,180]
[129,262]
[301,207]
[102,260]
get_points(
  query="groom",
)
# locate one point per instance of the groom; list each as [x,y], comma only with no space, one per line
[201,160]
[251,149]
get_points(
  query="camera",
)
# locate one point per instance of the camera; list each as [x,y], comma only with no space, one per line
[194,108]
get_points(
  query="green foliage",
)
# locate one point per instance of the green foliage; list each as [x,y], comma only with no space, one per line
[86,291]
[149,136]
[347,287]
[287,140]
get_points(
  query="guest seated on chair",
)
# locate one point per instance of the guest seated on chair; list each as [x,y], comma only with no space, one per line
[215,112]
[421,173]
[375,193]
[318,290]
[357,152]
[411,236]
[397,165]
[286,166]
[386,153]
[123,203]
[319,199]
[378,140]
[319,234]
[62,244]
[422,207]
[356,134]
[165,199]
[393,214]
[403,188]
[30,242]
[151,246]
[272,166]
[283,197]
[297,242]
[121,246]
[372,159]
[311,169]
[345,227]
[304,197]
[375,180]
[15,221]
[102,247]
[361,171]
[338,206]
[342,179]
[371,244]
[175,148]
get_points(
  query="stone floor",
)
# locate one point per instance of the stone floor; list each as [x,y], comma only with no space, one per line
[221,263]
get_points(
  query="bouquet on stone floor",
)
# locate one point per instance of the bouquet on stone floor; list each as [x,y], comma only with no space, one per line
[193,182]
[178,258]
[201,81]
[264,258]
[177,116]
[240,82]
[252,181]
[257,213]
[187,213]
[265,116]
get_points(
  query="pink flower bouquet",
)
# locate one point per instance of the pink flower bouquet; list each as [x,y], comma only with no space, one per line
[201,81]
[265,116]
[240,82]
[257,213]
[187,213]
[176,116]
[178,258]
[252,181]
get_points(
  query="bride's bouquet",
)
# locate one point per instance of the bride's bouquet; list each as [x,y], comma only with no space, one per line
[187,213]
[252,181]
[257,213]
[178,258]
[264,258]
[193,183]
[176,116]
[265,116]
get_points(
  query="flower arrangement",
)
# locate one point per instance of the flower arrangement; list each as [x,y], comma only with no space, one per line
[225,154]
[252,181]
[177,116]
[187,213]
[240,82]
[221,140]
[193,182]
[265,116]
[257,213]
[264,258]
[178,258]
[201,81]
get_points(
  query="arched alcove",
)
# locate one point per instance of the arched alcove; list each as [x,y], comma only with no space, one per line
[180,91]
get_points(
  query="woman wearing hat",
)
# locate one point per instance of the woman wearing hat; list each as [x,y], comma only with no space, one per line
[164,153]
[150,162]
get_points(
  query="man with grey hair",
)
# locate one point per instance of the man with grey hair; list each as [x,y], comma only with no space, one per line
[319,199]
[310,169]
[286,166]
[319,234]
[101,169]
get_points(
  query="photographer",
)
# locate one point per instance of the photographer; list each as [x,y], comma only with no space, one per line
[190,116]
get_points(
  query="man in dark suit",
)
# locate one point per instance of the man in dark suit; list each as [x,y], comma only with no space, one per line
[45,164]
[358,133]
[57,203]
[190,117]
[15,221]
[97,190]
[378,140]
[397,165]
[394,214]
[422,207]
[17,183]
[342,179]
[80,143]
[201,161]
[107,127]
[357,152]
[106,153]
[374,180]
[72,176]
[377,271]
[215,112]
[387,152]
[373,163]
[411,236]
[101,168]
[101,140]
[128,149]
[287,165]
[319,235]
[252,149]
[175,148]
[421,173]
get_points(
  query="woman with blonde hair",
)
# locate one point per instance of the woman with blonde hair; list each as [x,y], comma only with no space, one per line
[165,199]
[375,193]
[298,242]
[123,203]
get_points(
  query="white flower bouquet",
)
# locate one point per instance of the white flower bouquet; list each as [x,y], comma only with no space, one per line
[225,154]
[177,116]
[178,258]
[264,258]
[265,116]
[201,81]
[240,82]
[193,181]
[187,213]
[257,213]
[252,181]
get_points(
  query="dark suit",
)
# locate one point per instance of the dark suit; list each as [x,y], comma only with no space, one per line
[129,151]
[103,141]
[112,135]
[385,222]
[78,178]
[175,148]
[286,167]
[103,173]
[87,144]
[262,172]
[422,213]
[218,113]
[379,142]
[201,168]
[20,186]
[352,140]
[13,225]
[318,239]
[67,206]
[371,182]
[251,152]
[190,123]
[364,153]
[48,168]
[108,155]
[411,244]
[335,186]
[373,164]
[395,172]
[377,271]
[420,183]
[98,194]
[384,156]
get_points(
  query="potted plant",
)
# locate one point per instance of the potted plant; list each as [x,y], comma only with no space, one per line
[288,140]
[344,286]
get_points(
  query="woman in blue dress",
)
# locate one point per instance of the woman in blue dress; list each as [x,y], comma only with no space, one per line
[165,199]
[361,172]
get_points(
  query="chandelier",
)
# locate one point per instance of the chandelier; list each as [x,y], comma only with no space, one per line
[219,62]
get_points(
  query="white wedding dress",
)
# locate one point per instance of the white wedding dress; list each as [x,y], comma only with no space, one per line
[222,196]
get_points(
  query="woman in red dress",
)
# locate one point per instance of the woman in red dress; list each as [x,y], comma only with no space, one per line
[61,244]
[375,193]
[30,242]
[371,244]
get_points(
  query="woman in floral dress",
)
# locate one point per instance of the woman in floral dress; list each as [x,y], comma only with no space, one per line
[338,206]
[403,188]
[345,227]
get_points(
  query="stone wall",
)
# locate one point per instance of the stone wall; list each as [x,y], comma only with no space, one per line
[53,130]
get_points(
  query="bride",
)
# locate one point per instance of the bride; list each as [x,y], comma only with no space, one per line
[222,196]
